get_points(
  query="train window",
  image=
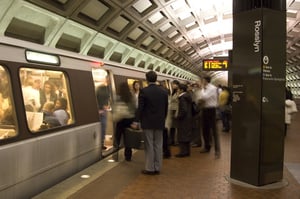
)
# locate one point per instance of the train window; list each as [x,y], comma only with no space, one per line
[144,83]
[8,127]
[130,83]
[46,97]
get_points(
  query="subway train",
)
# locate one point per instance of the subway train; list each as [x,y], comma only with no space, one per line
[38,149]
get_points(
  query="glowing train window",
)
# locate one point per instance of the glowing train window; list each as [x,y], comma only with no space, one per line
[46,97]
[8,127]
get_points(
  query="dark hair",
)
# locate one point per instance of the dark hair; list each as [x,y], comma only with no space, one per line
[176,82]
[207,78]
[288,93]
[63,103]
[182,87]
[134,83]
[49,83]
[151,76]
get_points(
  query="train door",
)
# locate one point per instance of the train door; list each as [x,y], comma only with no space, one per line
[104,95]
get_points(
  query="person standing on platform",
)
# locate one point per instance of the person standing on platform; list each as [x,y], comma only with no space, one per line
[288,93]
[184,119]
[225,108]
[103,97]
[173,107]
[151,113]
[290,109]
[209,96]
[166,147]
[196,130]
[125,108]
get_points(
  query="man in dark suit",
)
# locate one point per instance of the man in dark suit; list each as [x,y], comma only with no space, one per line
[151,113]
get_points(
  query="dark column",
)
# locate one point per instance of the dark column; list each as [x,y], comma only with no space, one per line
[258,81]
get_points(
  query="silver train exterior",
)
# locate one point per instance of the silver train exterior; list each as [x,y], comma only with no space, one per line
[34,160]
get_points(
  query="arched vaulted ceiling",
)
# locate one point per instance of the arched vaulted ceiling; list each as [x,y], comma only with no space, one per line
[179,32]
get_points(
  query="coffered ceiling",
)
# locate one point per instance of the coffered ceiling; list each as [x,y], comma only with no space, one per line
[179,32]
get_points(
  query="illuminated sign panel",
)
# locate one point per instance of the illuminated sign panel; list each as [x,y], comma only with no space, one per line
[215,64]
[40,57]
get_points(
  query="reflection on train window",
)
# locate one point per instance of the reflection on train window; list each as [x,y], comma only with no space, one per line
[8,127]
[131,81]
[47,100]
[101,82]
[144,83]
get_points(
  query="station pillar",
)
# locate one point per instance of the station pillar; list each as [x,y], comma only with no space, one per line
[258,86]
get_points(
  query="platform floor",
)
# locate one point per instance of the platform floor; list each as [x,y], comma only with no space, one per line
[199,176]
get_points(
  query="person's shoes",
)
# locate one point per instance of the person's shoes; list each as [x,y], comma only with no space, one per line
[174,144]
[127,159]
[146,172]
[204,151]
[156,172]
[196,145]
[104,147]
[167,156]
[225,130]
[217,155]
[182,155]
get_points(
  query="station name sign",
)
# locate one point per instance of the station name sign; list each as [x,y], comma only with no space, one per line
[215,64]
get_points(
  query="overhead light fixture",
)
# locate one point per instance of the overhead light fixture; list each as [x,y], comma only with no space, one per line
[85,176]
[41,57]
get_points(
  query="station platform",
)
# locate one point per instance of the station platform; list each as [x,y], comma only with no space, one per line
[199,176]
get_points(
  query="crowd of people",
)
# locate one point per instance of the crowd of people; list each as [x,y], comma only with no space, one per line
[184,116]
[45,98]
[167,118]
[6,112]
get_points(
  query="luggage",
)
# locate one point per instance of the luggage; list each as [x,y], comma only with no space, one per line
[134,138]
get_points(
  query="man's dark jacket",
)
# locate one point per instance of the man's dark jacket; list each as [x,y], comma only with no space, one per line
[153,107]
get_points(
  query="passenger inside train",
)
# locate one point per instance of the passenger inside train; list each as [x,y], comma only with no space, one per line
[49,120]
[7,116]
[38,89]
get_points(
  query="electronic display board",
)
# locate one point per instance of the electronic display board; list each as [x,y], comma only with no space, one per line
[215,64]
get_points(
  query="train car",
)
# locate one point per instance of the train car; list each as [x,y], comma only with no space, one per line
[39,149]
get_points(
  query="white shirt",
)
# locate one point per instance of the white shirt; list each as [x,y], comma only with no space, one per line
[31,96]
[290,108]
[209,95]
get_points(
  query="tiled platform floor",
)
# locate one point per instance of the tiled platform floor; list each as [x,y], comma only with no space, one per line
[200,176]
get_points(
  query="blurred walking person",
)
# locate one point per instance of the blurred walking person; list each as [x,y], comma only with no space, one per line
[209,96]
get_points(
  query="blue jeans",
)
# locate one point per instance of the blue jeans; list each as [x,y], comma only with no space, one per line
[103,122]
